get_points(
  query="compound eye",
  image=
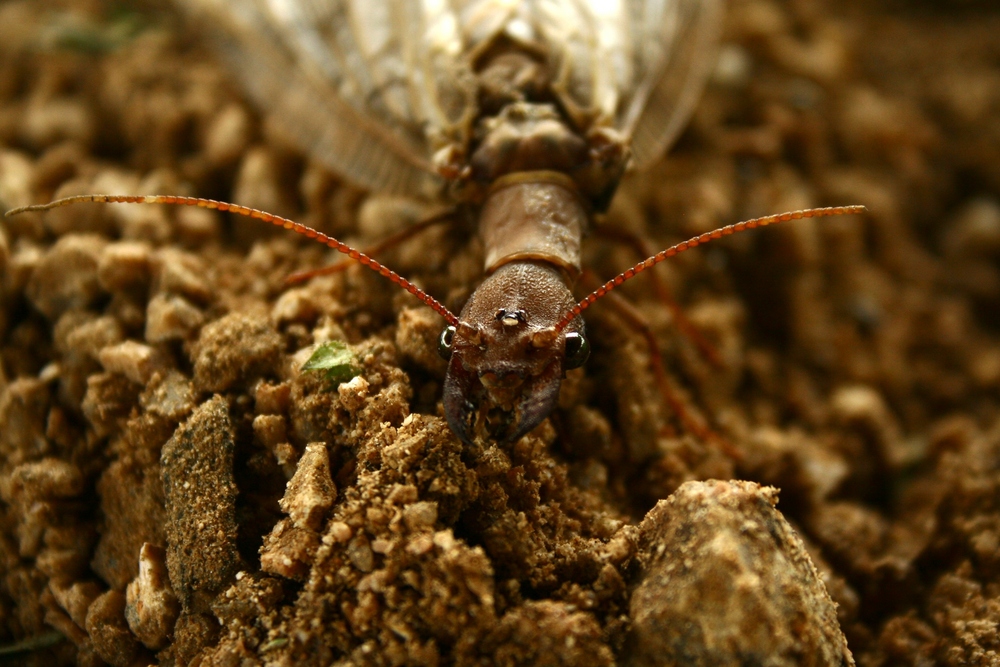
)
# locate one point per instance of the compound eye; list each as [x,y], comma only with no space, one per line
[577,350]
[445,342]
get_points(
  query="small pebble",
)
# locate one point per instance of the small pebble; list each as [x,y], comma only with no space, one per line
[417,335]
[353,393]
[169,395]
[288,551]
[151,607]
[76,598]
[420,515]
[124,265]
[94,335]
[179,272]
[134,360]
[66,276]
[228,135]
[171,317]
[310,493]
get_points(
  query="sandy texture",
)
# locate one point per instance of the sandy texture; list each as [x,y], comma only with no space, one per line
[174,490]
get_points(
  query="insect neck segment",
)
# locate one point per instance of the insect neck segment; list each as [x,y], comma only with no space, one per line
[535,216]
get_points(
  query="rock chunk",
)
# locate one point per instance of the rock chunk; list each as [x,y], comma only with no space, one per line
[311,492]
[169,395]
[200,497]
[726,581]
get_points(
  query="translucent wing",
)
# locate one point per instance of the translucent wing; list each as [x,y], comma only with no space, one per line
[679,40]
[374,87]
[368,88]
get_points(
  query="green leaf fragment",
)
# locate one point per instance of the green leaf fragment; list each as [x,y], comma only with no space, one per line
[275,643]
[336,360]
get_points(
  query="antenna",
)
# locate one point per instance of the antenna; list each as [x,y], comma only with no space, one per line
[276,220]
[728,230]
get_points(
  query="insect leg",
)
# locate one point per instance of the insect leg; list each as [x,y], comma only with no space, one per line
[691,422]
[391,241]
[643,248]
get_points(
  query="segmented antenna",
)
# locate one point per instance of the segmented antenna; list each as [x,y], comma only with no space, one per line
[276,220]
[728,230]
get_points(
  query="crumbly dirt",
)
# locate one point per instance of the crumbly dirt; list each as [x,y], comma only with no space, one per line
[174,490]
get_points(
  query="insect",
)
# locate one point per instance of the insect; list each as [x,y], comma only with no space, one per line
[527,111]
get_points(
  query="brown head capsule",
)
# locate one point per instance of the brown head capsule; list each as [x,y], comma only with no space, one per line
[506,359]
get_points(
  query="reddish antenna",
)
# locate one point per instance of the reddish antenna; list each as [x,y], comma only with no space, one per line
[276,220]
[650,262]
